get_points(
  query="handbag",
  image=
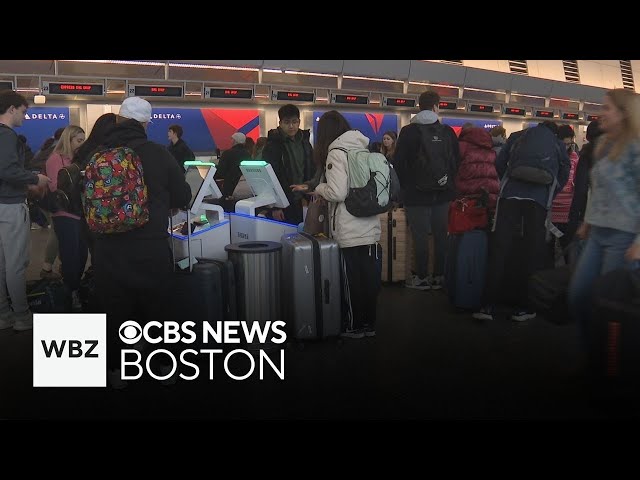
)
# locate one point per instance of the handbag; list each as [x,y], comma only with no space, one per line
[317,219]
[467,214]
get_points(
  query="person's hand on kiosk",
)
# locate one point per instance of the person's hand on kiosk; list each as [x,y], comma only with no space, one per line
[277,214]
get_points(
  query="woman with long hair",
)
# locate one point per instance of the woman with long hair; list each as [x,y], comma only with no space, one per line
[612,220]
[67,225]
[388,147]
[357,236]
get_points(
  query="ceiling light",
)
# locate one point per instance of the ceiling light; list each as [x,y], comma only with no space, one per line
[120,62]
[39,99]
[374,79]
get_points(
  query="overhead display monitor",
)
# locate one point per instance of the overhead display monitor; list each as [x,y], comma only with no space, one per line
[72,88]
[591,118]
[199,176]
[353,99]
[474,107]
[6,85]
[399,102]
[154,91]
[544,113]
[514,111]
[216,92]
[447,105]
[570,116]
[291,96]
[264,183]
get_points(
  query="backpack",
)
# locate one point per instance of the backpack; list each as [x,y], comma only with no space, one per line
[534,157]
[69,188]
[373,183]
[115,196]
[434,167]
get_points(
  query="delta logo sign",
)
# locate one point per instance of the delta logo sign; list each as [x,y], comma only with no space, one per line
[205,129]
[41,123]
[372,125]
[456,123]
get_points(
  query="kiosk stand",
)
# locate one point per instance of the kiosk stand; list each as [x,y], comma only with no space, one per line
[264,184]
[202,230]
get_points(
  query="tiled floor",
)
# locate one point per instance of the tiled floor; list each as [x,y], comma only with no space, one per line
[426,362]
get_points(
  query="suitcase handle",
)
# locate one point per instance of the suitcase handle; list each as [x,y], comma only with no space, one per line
[327,294]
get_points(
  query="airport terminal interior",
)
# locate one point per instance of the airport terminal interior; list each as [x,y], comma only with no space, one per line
[428,360]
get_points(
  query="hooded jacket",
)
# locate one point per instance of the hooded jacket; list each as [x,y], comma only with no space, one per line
[407,148]
[14,178]
[477,165]
[347,230]
[166,185]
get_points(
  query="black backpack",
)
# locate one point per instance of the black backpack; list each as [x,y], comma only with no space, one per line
[69,189]
[434,167]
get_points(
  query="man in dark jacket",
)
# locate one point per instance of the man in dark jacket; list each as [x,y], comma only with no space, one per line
[290,153]
[525,206]
[427,208]
[15,238]
[178,147]
[132,269]
[229,164]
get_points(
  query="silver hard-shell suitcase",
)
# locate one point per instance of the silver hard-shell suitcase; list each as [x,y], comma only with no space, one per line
[311,286]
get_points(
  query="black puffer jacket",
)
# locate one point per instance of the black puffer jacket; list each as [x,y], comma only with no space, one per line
[181,152]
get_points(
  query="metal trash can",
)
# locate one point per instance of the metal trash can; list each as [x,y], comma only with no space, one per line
[257,267]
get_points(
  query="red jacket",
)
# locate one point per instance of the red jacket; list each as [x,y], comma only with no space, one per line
[478,165]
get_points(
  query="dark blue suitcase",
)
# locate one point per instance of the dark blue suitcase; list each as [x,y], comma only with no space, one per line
[466,268]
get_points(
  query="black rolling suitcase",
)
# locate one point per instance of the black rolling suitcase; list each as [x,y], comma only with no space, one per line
[548,293]
[614,333]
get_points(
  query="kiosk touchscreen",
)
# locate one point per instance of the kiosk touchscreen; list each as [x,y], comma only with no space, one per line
[202,229]
[267,191]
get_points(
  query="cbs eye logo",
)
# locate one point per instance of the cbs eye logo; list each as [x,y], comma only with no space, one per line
[130,332]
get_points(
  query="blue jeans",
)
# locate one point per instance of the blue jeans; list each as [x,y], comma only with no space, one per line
[603,252]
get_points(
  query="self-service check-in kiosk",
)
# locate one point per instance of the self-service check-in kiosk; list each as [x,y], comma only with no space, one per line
[267,191]
[202,230]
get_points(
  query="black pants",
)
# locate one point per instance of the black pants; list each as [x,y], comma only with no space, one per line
[362,284]
[72,248]
[511,214]
[132,281]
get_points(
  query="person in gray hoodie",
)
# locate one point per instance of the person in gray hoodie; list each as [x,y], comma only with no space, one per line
[357,236]
[427,206]
[15,182]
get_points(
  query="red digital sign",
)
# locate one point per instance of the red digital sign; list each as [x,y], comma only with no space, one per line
[400,102]
[447,105]
[295,96]
[570,116]
[55,88]
[357,99]
[544,113]
[591,118]
[514,111]
[155,91]
[228,93]
[481,108]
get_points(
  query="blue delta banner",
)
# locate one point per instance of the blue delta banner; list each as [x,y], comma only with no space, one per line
[372,125]
[41,123]
[456,123]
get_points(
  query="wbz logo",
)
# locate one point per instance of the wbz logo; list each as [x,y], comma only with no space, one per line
[69,350]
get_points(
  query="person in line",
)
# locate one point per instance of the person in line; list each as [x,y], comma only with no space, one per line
[357,236]
[178,147]
[290,153]
[388,148]
[427,192]
[498,137]
[68,224]
[229,164]
[612,220]
[15,239]
[132,269]
[260,143]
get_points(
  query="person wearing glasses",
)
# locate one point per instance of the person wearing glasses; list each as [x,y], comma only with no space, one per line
[290,153]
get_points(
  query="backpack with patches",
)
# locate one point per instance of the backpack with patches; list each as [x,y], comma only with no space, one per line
[435,166]
[115,196]
[373,183]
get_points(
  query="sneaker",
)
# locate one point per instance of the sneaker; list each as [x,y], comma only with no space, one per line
[418,283]
[166,370]
[485,313]
[437,282]
[5,320]
[369,332]
[49,274]
[76,304]
[115,379]
[23,321]
[357,333]
[522,315]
